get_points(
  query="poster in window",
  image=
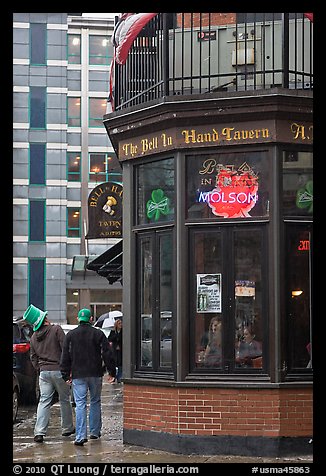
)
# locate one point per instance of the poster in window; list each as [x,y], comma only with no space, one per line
[209,293]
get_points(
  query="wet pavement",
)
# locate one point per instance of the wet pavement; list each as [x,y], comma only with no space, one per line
[110,447]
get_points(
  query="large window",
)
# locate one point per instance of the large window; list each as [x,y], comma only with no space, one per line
[100,49]
[155,198]
[37,107]
[37,220]
[73,222]
[297,183]
[73,166]
[228,185]
[38,43]
[227,316]
[36,282]
[74,49]
[97,109]
[104,168]
[37,164]
[74,112]
[155,301]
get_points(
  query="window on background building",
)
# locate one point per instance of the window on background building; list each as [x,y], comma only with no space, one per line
[97,109]
[74,112]
[104,168]
[155,197]
[36,282]
[100,49]
[37,153]
[74,49]
[297,183]
[37,220]
[37,107]
[73,222]
[74,166]
[38,43]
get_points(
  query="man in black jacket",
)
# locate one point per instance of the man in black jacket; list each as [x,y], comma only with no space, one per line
[85,349]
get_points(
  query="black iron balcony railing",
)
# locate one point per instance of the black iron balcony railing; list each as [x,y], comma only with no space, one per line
[200,53]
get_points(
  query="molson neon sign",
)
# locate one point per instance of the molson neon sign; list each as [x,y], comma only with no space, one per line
[235,192]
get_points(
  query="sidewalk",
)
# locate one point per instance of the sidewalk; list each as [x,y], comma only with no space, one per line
[109,448]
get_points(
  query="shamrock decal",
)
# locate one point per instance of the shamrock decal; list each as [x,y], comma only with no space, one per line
[305,196]
[158,205]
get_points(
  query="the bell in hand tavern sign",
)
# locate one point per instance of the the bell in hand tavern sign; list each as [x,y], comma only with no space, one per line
[105,211]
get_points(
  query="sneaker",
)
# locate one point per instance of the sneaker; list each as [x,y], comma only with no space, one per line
[38,438]
[81,442]
[68,433]
[94,437]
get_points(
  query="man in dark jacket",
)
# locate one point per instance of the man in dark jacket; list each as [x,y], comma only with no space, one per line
[85,350]
[45,353]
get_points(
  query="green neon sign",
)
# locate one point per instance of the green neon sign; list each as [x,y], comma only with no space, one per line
[158,205]
[305,196]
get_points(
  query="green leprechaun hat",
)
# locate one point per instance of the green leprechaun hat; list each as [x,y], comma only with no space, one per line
[34,316]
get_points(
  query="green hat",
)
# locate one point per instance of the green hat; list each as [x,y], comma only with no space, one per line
[34,316]
[84,315]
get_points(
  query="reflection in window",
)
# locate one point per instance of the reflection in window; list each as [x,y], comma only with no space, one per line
[74,117]
[37,220]
[297,183]
[74,166]
[36,282]
[248,298]
[74,48]
[208,322]
[227,185]
[298,276]
[100,50]
[146,303]
[37,107]
[156,192]
[97,109]
[36,164]
[73,222]
[38,43]
[165,282]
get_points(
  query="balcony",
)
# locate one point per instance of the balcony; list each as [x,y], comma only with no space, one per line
[183,54]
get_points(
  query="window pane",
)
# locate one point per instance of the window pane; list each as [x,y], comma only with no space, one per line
[298,276]
[248,298]
[38,43]
[97,168]
[37,164]
[228,185]
[37,107]
[208,321]
[73,222]
[145,284]
[166,303]
[37,220]
[74,112]
[100,50]
[74,166]
[97,109]
[156,192]
[297,183]
[74,43]
[36,291]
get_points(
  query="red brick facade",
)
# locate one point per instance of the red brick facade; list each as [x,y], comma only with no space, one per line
[197,19]
[212,412]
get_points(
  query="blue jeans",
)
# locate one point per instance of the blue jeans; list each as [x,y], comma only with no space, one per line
[118,376]
[80,388]
[49,381]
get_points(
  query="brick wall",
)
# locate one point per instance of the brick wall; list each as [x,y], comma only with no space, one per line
[216,19]
[209,412]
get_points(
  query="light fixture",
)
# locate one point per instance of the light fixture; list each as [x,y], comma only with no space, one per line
[296,292]
[75,293]
[75,41]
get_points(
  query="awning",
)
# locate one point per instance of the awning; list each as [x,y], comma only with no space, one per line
[109,264]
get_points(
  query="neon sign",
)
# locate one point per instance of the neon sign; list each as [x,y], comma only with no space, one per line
[235,192]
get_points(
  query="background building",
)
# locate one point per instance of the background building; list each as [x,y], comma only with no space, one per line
[61,152]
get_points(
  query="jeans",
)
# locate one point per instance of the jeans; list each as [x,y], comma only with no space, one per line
[49,381]
[118,376]
[80,388]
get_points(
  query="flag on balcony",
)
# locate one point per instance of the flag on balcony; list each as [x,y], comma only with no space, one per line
[126,30]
